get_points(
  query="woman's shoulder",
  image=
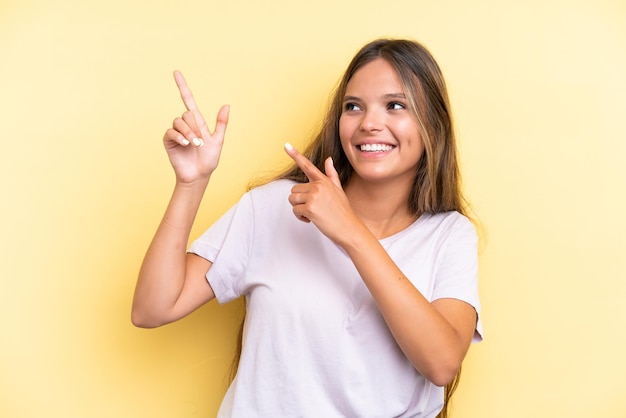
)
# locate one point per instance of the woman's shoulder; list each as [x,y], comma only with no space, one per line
[451,221]
[272,187]
[449,217]
[268,195]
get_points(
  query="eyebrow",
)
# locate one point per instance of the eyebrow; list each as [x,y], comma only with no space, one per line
[386,96]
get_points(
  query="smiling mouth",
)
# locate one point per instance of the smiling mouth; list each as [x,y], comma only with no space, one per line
[375,147]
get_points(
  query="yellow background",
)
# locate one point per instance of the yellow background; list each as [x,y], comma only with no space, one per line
[539,94]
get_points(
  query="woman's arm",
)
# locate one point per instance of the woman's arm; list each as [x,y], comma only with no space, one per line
[434,336]
[171,283]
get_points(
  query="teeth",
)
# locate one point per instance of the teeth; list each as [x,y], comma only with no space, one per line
[375,147]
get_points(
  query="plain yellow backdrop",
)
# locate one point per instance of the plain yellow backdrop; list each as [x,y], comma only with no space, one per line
[539,95]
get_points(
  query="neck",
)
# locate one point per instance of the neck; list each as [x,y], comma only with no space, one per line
[381,207]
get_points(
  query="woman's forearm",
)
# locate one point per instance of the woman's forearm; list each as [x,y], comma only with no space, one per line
[163,271]
[430,340]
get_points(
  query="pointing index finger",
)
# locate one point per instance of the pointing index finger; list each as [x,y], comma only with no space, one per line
[309,169]
[190,103]
[185,92]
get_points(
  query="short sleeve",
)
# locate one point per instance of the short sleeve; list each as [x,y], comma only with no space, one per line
[457,275]
[227,245]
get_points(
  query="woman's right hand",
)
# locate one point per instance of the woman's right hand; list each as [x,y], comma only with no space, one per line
[193,150]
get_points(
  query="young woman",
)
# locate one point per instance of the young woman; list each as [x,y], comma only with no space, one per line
[358,265]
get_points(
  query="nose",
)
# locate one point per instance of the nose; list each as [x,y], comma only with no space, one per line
[372,121]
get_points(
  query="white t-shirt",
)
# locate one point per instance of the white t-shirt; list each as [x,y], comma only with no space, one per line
[315,343]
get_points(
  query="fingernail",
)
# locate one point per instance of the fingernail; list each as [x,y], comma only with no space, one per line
[288,146]
[197,142]
[185,141]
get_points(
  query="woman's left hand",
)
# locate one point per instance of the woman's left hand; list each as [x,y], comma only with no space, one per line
[322,200]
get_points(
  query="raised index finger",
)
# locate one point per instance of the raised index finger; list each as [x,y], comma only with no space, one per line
[185,92]
[190,103]
[309,169]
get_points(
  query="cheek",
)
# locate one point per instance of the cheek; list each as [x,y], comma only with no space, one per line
[419,148]
[345,132]
[408,129]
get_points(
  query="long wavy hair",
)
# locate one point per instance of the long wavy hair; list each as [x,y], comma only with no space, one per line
[436,187]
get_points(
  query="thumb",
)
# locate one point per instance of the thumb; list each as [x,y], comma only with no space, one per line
[331,173]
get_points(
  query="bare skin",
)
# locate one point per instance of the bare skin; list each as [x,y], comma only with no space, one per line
[435,336]
[171,283]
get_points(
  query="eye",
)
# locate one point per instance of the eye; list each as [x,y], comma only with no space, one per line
[396,106]
[351,106]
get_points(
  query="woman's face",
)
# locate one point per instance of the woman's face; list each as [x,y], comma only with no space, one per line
[378,130]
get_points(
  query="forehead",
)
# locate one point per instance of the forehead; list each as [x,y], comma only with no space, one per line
[375,76]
